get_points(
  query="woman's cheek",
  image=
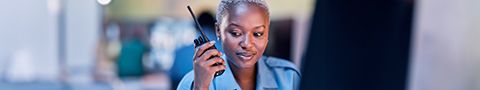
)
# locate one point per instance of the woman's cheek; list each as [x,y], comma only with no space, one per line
[261,46]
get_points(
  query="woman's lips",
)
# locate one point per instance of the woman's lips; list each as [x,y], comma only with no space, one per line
[246,55]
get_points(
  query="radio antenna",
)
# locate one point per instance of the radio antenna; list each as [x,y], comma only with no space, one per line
[199,28]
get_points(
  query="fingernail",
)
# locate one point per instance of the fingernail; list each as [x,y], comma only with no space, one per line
[212,42]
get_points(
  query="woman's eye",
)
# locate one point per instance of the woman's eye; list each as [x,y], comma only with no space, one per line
[235,34]
[258,34]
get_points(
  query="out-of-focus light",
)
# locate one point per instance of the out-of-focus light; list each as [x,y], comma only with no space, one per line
[104,2]
[53,6]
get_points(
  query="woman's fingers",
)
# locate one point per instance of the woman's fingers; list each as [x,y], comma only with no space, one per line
[213,61]
[204,59]
[202,48]
[218,68]
[210,65]
[210,53]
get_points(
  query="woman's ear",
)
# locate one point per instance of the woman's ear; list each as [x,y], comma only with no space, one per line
[217,31]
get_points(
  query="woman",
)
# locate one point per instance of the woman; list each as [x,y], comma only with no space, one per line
[242,26]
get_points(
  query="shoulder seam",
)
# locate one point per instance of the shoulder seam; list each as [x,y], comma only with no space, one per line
[285,64]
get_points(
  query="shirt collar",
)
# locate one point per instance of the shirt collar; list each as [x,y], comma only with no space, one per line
[265,78]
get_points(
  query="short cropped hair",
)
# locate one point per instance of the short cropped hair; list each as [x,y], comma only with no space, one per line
[226,5]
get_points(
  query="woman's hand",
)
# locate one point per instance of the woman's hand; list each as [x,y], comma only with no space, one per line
[203,65]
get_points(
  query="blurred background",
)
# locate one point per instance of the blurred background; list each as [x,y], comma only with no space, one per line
[148,44]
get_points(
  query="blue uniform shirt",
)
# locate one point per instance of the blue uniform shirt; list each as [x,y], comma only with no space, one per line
[272,74]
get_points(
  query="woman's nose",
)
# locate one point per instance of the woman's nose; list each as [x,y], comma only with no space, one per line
[247,42]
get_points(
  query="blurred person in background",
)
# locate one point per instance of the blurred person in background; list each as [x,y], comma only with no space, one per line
[123,56]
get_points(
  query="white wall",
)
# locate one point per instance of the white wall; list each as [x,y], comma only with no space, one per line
[83,26]
[28,30]
[446,54]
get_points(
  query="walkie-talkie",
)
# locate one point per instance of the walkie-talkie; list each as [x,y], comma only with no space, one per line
[202,39]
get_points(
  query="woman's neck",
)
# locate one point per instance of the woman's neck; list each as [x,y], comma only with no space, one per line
[245,77]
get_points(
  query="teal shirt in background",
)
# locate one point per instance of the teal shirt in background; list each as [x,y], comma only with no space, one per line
[272,74]
[129,63]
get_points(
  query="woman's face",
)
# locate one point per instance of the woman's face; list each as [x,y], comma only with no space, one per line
[244,34]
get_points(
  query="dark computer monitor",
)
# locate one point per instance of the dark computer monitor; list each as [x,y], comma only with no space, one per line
[358,45]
